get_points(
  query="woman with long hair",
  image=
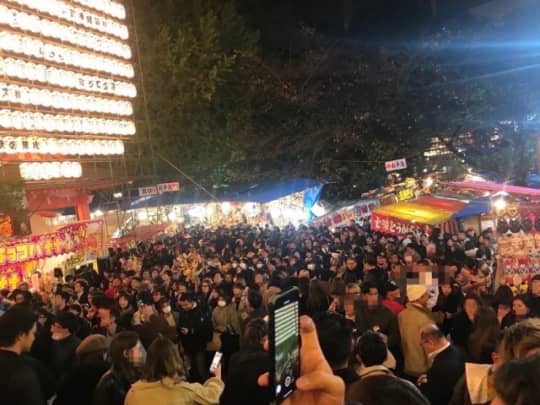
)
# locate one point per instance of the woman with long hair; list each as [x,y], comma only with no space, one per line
[463,321]
[484,336]
[317,299]
[521,310]
[164,380]
[127,356]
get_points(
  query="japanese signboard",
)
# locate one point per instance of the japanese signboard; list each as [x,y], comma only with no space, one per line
[394,226]
[393,165]
[340,217]
[146,191]
[68,239]
[159,189]
[168,187]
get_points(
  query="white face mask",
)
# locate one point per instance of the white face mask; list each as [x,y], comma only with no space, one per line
[311,266]
[221,303]
[260,265]
[167,309]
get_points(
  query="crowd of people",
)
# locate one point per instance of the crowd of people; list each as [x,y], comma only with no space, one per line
[143,327]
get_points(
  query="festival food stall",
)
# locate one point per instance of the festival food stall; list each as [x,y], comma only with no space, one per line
[344,215]
[417,216]
[515,214]
[21,258]
[277,202]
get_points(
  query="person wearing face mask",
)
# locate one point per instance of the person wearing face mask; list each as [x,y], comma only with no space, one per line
[127,356]
[226,322]
[170,317]
[63,346]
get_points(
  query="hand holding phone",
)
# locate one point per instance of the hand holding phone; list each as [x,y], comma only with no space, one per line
[284,343]
[216,363]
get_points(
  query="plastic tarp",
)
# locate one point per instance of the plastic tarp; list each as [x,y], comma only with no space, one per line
[256,193]
[496,187]
[473,208]
[425,210]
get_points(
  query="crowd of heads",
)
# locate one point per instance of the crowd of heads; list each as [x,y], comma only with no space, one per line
[157,310]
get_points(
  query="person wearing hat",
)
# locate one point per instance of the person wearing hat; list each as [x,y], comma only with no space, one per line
[80,384]
[411,321]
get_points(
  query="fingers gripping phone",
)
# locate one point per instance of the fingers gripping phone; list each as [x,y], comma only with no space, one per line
[284,333]
[215,361]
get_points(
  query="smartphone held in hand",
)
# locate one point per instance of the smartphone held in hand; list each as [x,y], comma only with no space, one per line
[215,362]
[284,332]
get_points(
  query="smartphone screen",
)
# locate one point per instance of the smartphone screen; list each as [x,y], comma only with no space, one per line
[215,361]
[285,343]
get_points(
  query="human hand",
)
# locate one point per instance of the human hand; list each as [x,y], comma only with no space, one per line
[317,385]
[184,331]
[217,371]
[422,379]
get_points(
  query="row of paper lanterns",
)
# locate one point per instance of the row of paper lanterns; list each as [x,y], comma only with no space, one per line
[60,54]
[12,145]
[50,170]
[72,14]
[33,23]
[14,93]
[106,6]
[33,121]
[20,69]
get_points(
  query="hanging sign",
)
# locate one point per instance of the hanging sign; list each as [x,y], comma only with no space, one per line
[146,191]
[393,165]
[168,187]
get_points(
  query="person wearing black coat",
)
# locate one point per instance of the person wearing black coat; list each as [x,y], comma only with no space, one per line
[246,366]
[63,345]
[19,383]
[195,331]
[79,385]
[447,368]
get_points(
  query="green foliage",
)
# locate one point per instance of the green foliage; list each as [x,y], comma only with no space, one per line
[195,58]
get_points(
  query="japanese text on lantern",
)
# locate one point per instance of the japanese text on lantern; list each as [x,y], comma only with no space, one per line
[65,74]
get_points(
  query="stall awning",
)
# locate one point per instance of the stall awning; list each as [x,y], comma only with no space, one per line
[417,215]
[475,207]
[496,187]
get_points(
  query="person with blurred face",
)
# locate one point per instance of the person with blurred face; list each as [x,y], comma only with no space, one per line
[411,320]
[463,322]
[372,315]
[19,383]
[534,296]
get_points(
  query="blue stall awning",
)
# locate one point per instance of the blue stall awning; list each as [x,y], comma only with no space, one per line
[475,207]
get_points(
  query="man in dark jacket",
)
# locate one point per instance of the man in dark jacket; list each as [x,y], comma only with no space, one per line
[448,365]
[195,331]
[335,337]
[64,344]
[19,383]
[372,315]
[253,360]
